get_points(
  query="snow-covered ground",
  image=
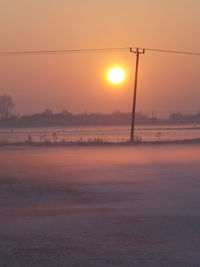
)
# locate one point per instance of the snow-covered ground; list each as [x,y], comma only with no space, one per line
[100,206]
[106,133]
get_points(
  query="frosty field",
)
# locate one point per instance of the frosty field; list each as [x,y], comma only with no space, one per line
[107,133]
[100,206]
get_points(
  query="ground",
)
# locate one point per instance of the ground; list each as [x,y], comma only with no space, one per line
[100,206]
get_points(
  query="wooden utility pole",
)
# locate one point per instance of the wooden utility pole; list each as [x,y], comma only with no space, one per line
[137,52]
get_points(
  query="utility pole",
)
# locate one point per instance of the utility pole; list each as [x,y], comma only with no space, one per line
[153,114]
[137,52]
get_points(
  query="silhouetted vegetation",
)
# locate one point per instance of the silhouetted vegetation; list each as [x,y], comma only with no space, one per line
[48,119]
[6,106]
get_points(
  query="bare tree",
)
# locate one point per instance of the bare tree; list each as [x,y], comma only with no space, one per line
[6,106]
[47,112]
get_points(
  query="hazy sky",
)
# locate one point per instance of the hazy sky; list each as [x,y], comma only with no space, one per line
[78,82]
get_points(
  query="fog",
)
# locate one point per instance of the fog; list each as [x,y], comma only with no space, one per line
[100,206]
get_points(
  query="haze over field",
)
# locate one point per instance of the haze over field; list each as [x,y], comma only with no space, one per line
[100,206]
[78,82]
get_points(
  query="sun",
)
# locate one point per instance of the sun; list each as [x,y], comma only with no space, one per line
[116,75]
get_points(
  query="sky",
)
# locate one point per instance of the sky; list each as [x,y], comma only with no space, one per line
[78,82]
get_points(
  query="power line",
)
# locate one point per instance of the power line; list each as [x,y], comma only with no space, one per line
[64,51]
[172,51]
[92,50]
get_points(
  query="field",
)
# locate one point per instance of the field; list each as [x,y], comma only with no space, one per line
[100,206]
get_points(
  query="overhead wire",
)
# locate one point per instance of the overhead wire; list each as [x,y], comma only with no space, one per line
[93,50]
[172,51]
[62,51]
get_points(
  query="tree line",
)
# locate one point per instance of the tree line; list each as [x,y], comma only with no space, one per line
[66,118]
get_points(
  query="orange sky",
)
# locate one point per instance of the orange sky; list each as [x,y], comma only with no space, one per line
[78,82]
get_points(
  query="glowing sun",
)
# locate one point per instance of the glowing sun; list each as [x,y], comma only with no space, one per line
[116,75]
